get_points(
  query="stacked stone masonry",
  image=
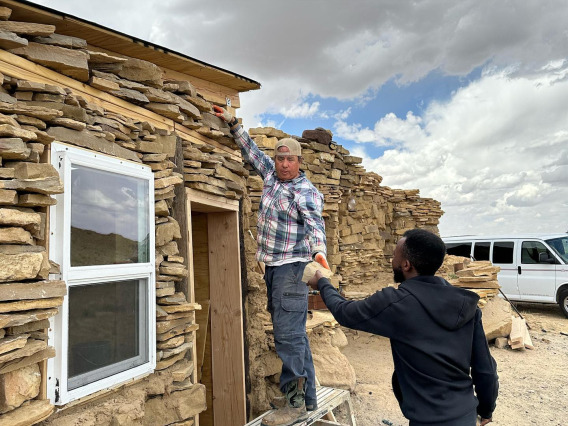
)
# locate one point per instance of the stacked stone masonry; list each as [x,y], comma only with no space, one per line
[32,116]
[363,220]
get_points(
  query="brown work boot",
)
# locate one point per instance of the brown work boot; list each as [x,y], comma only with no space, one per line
[280,401]
[294,409]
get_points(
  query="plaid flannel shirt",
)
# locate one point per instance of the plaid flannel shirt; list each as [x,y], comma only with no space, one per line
[290,223]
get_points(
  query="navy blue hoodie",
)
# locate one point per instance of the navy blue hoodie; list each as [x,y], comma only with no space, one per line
[436,337]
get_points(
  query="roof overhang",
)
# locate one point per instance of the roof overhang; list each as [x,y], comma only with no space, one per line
[108,39]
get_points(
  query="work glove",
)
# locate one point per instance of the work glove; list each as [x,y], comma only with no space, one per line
[223,114]
[319,257]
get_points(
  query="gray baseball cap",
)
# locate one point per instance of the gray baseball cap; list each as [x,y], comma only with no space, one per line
[292,144]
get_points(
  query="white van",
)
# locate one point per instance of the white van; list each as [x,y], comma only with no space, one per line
[534,268]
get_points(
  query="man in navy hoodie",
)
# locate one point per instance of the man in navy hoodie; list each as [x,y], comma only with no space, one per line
[443,374]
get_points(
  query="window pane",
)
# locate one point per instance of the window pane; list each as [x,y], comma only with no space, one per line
[560,246]
[530,251]
[109,218]
[503,252]
[108,329]
[481,250]
[459,249]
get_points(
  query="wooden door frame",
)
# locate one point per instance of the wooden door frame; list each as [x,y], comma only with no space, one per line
[227,334]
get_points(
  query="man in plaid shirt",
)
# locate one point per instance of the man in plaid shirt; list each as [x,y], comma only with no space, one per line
[291,231]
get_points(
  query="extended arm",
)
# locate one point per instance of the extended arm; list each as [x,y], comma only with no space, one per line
[366,315]
[261,162]
[483,372]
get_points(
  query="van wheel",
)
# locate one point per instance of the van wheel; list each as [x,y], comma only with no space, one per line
[563,302]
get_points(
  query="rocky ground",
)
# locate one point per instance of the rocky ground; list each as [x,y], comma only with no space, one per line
[533,383]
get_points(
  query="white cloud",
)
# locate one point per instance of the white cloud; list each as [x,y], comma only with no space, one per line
[486,154]
[300,110]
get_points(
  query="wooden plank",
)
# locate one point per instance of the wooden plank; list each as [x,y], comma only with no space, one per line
[16,66]
[129,46]
[207,202]
[200,274]
[226,319]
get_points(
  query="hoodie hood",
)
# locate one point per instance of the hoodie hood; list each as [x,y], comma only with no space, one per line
[450,307]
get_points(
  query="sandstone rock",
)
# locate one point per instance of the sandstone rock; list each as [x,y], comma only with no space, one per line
[268,131]
[85,139]
[501,342]
[130,95]
[72,63]
[10,40]
[31,347]
[25,170]
[19,386]
[333,368]
[27,305]
[11,320]
[11,343]
[5,13]
[8,197]
[48,185]
[35,290]
[28,327]
[15,236]
[104,58]
[62,41]
[166,110]
[167,232]
[13,149]
[311,269]
[497,318]
[36,200]
[142,72]
[29,413]
[32,86]
[103,84]
[177,406]
[17,267]
[27,28]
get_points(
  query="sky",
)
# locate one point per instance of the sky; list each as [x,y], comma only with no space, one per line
[466,101]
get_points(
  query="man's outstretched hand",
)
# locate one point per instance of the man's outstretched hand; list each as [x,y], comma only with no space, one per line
[223,114]
[313,282]
[485,421]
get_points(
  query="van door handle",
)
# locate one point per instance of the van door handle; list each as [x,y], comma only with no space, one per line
[519,270]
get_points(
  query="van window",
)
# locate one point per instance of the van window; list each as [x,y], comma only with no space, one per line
[503,252]
[560,246]
[481,250]
[530,251]
[459,249]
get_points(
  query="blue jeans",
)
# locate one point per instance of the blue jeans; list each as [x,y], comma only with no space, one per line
[288,306]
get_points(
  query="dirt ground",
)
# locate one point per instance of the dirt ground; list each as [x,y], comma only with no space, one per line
[533,383]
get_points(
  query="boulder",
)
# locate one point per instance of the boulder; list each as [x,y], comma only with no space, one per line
[72,63]
[142,72]
[497,318]
[19,386]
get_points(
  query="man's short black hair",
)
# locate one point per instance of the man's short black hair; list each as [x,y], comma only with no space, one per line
[424,250]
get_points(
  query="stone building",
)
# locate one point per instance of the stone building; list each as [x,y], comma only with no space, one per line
[129,293]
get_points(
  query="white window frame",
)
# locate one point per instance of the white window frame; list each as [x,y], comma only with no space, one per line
[62,157]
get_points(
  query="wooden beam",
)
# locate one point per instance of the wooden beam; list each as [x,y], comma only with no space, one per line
[18,67]
[210,203]
[21,68]
[226,320]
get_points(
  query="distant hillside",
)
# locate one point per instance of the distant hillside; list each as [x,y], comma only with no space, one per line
[92,248]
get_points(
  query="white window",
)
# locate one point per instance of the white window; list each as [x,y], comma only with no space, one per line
[102,236]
